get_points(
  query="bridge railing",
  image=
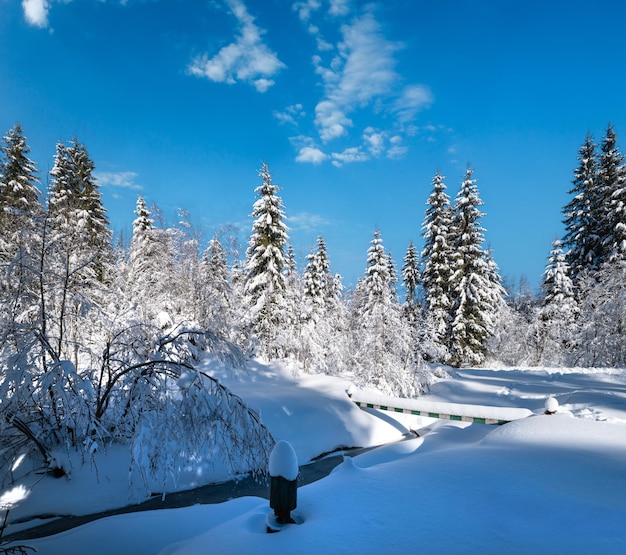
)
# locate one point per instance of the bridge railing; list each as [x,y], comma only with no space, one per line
[479,414]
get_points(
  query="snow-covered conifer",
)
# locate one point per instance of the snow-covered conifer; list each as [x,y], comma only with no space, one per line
[76,211]
[20,198]
[322,313]
[381,339]
[474,287]
[78,252]
[582,239]
[601,325]
[264,287]
[21,215]
[612,182]
[556,318]
[150,265]
[410,275]
[559,311]
[436,257]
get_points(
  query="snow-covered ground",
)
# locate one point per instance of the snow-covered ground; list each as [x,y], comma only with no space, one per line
[549,484]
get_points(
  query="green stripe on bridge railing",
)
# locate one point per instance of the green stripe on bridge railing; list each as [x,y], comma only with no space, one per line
[456,417]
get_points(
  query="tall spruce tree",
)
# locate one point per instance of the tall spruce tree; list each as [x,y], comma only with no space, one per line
[582,213]
[264,287]
[436,257]
[612,184]
[75,208]
[20,198]
[473,285]
[21,215]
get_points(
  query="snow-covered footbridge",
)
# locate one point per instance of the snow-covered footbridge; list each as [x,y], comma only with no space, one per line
[478,414]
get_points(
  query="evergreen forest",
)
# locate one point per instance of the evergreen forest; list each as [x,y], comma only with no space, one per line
[100,339]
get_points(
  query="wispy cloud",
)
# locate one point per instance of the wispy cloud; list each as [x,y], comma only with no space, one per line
[349,156]
[413,99]
[123,180]
[247,59]
[362,70]
[360,82]
[291,114]
[304,221]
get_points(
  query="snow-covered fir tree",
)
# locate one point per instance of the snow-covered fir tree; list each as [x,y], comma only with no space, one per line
[318,282]
[21,215]
[264,288]
[601,329]
[75,207]
[322,313]
[558,313]
[381,339]
[79,253]
[151,268]
[410,275]
[217,300]
[474,286]
[582,237]
[290,340]
[612,183]
[436,257]
[20,198]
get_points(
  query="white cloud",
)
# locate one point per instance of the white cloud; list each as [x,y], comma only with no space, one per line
[36,12]
[123,180]
[331,120]
[305,8]
[382,144]
[247,59]
[312,155]
[375,141]
[349,156]
[339,7]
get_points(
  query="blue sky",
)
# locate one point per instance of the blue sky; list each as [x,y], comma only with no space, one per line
[354,106]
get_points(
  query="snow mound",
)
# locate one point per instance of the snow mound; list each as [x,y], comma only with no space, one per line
[562,431]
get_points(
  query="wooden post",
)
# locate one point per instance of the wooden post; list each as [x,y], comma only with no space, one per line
[283,485]
[283,498]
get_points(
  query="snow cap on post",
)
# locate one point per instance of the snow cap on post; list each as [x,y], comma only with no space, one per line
[283,461]
[552,405]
